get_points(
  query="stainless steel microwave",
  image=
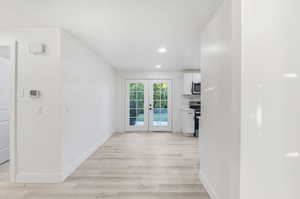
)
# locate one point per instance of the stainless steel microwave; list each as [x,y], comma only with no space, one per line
[196,88]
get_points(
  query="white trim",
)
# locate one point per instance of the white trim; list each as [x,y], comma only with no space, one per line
[76,163]
[39,178]
[209,188]
[13,112]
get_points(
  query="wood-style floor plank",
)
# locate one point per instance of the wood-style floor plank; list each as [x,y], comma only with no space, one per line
[127,166]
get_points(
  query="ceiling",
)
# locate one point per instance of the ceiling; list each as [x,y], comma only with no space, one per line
[126,33]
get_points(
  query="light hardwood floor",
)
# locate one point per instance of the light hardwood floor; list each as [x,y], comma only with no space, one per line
[127,166]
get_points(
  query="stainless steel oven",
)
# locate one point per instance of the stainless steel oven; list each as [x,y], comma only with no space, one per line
[196,105]
[196,88]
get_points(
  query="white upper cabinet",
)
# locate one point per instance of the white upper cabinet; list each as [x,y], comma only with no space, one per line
[188,79]
[187,83]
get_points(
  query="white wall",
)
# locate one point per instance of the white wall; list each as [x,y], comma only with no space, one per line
[270,99]
[178,100]
[220,121]
[38,120]
[56,132]
[269,79]
[88,94]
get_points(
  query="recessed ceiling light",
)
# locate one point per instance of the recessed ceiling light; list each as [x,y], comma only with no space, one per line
[292,155]
[290,75]
[162,50]
[158,66]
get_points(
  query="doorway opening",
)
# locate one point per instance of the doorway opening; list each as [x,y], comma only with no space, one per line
[7,111]
[148,105]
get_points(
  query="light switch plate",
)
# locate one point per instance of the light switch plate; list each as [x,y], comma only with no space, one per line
[34,93]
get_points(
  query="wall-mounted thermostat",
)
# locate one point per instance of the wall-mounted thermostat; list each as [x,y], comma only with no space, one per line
[35,93]
[37,48]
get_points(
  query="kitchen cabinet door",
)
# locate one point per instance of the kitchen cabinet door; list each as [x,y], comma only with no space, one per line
[188,121]
[187,84]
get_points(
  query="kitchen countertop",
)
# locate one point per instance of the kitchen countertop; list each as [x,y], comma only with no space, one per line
[186,109]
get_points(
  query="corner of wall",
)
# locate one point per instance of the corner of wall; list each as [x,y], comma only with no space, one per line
[207,185]
[84,74]
[71,168]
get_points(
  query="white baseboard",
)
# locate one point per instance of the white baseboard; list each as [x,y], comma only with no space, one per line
[75,164]
[38,178]
[177,132]
[209,188]
[4,155]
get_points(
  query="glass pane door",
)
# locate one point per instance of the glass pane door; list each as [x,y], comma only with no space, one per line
[160,101]
[148,105]
[137,105]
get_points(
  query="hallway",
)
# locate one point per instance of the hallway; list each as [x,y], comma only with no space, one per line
[127,166]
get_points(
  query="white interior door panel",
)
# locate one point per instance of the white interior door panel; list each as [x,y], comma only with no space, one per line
[4,103]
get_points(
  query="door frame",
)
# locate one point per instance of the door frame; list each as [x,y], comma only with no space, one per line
[12,109]
[171,114]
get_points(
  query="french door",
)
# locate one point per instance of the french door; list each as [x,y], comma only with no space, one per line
[148,105]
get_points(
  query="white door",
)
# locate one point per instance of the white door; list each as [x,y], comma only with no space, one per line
[187,84]
[137,105]
[160,105]
[4,100]
[148,105]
